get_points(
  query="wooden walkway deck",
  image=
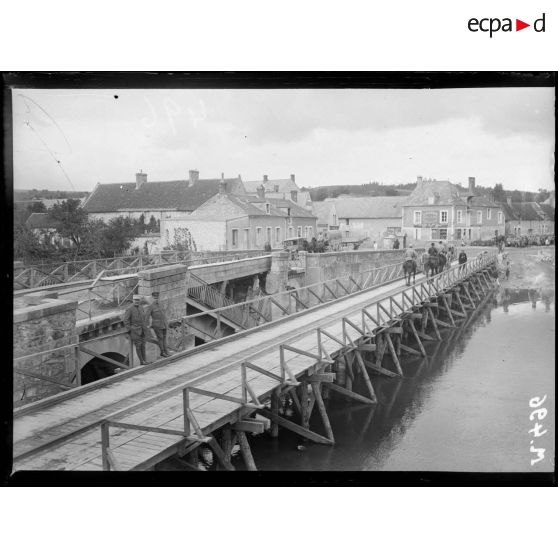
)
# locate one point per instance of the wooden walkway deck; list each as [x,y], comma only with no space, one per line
[66,434]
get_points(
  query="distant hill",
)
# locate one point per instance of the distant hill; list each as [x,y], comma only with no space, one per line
[320,193]
[34,194]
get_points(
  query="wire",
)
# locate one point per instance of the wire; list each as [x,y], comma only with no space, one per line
[28,124]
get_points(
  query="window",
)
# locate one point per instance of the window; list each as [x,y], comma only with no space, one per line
[276,187]
[459,216]
[299,231]
[479,217]
[267,208]
[489,213]
[347,222]
[443,234]
[417,217]
[247,238]
[500,218]
[259,236]
[277,234]
[293,195]
[347,233]
[268,235]
[291,232]
[235,238]
[310,232]
[458,234]
[443,216]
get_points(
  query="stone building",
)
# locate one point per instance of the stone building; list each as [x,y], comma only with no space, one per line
[440,210]
[231,222]
[158,199]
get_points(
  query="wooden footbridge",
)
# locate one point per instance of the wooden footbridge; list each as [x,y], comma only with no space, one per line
[215,394]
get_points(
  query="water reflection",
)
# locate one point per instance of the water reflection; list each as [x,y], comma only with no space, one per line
[461,408]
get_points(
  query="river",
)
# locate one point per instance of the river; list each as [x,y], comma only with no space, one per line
[465,408]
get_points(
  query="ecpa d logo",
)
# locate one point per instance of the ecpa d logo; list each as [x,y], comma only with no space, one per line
[492,25]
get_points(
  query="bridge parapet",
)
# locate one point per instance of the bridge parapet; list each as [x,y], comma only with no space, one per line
[43,362]
[171,284]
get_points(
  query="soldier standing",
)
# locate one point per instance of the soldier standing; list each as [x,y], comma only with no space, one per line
[159,323]
[135,320]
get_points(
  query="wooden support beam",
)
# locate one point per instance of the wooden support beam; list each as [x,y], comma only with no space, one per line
[257,427]
[275,402]
[297,429]
[220,455]
[415,316]
[394,354]
[425,336]
[365,376]
[396,330]
[444,324]
[409,349]
[305,415]
[433,320]
[322,377]
[381,370]
[351,394]
[417,338]
[226,442]
[246,452]
[448,309]
[366,348]
[317,389]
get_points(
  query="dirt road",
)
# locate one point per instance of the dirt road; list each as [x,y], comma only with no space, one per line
[530,268]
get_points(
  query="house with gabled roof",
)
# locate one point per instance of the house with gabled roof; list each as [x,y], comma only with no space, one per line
[528,218]
[440,210]
[228,221]
[160,199]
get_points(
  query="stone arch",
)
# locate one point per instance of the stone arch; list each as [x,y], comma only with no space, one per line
[97,368]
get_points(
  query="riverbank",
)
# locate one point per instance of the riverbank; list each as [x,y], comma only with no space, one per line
[530,268]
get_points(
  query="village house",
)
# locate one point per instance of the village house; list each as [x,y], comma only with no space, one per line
[440,210]
[228,221]
[280,188]
[160,200]
[528,218]
[375,218]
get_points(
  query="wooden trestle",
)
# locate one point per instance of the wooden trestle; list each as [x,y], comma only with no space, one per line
[219,412]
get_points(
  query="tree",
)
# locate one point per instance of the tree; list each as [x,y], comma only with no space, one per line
[153,224]
[27,246]
[529,196]
[498,193]
[70,220]
[118,235]
[517,196]
[37,207]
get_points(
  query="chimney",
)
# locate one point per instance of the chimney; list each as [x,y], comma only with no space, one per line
[261,191]
[292,177]
[471,185]
[141,178]
[222,184]
[419,181]
[265,178]
[193,177]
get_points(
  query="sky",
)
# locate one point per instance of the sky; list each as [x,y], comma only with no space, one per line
[74,139]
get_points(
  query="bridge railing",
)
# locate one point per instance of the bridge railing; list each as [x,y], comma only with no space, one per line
[42,275]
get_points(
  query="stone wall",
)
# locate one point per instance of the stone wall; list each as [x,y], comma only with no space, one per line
[170,282]
[328,265]
[42,326]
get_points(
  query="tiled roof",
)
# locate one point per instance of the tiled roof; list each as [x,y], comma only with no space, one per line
[508,211]
[443,192]
[296,210]
[369,207]
[40,221]
[173,194]
[529,211]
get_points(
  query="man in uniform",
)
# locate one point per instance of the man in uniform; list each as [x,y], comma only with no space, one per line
[410,254]
[134,319]
[159,323]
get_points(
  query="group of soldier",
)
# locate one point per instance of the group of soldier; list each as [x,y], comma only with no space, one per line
[433,252]
[137,319]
